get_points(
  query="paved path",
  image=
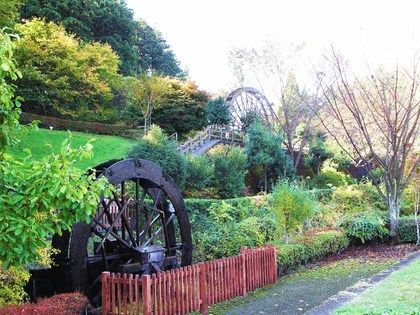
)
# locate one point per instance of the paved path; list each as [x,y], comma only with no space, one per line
[314,295]
[341,298]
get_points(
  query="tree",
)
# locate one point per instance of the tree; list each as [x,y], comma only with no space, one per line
[272,69]
[155,52]
[138,46]
[318,152]
[62,76]
[377,117]
[263,148]
[145,94]
[182,108]
[217,112]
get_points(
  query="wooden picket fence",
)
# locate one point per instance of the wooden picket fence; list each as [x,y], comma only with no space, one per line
[191,288]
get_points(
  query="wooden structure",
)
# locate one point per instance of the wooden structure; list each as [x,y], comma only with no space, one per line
[191,288]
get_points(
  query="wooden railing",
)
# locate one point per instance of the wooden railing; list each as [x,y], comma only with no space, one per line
[224,135]
[191,288]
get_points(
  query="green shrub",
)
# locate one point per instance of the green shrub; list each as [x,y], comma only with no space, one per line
[330,177]
[408,200]
[158,148]
[217,113]
[356,198]
[200,172]
[293,205]
[229,171]
[367,226]
[12,285]
[310,247]
[407,230]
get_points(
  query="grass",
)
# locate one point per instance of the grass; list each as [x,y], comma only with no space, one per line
[42,142]
[303,290]
[397,294]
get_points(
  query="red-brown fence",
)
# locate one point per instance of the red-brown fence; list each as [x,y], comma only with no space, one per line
[191,288]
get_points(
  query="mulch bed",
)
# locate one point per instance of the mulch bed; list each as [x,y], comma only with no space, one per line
[374,252]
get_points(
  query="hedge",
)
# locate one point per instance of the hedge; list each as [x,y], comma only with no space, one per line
[407,230]
[312,246]
[82,126]
[67,303]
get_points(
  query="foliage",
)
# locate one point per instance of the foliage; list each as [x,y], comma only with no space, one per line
[200,172]
[9,105]
[78,125]
[137,44]
[217,112]
[9,12]
[263,148]
[44,142]
[318,152]
[12,285]
[42,198]
[229,171]
[158,148]
[62,76]
[66,303]
[309,247]
[155,52]
[143,95]
[367,226]
[293,205]
[222,227]
[355,198]
[182,108]
[407,230]
[329,177]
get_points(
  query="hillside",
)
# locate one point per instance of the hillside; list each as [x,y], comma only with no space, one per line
[44,141]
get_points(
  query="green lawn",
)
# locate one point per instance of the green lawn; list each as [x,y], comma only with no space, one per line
[397,294]
[44,141]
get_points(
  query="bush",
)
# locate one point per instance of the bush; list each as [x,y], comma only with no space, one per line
[12,285]
[367,226]
[229,171]
[200,172]
[407,230]
[158,148]
[221,227]
[356,198]
[310,247]
[330,177]
[82,126]
[293,205]
[66,304]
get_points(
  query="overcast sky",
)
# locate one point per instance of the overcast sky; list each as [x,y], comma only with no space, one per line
[202,32]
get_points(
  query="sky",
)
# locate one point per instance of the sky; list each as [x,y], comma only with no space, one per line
[203,32]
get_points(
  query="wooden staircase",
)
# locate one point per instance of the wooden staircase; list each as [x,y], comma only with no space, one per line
[210,137]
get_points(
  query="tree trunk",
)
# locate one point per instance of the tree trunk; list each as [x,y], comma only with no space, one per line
[265,178]
[394,207]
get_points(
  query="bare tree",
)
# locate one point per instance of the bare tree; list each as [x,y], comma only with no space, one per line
[375,118]
[272,69]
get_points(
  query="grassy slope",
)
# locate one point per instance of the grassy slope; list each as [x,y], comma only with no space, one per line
[43,141]
[397,294]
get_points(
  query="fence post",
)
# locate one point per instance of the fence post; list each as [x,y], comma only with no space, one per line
[243,273]
[203,291]
[275,262]
[146,294]
[105,293]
